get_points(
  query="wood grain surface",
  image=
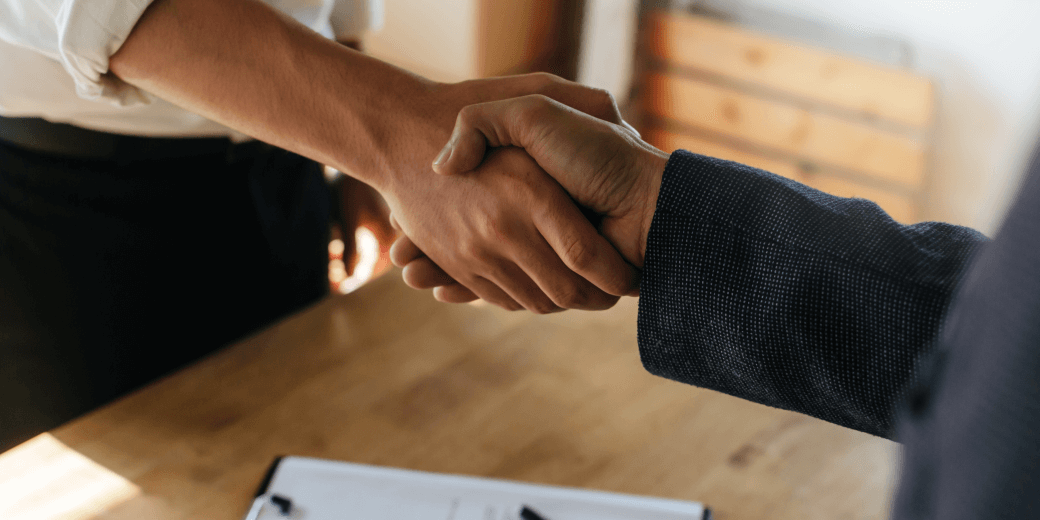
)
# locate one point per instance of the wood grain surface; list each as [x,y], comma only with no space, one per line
[899,205]
[715,47]
[786,128]
[388,376]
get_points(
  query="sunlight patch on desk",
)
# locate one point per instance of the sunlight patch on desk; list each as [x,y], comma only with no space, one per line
[43,479]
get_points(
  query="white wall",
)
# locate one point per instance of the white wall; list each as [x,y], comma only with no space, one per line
[985,58]
[433,38]
[607,42]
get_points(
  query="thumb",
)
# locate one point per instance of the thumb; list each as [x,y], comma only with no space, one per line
[464,150]
[494,124]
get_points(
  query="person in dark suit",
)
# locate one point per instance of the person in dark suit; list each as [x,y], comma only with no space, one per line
[763,288]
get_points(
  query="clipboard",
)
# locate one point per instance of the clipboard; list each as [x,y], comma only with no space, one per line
[302,488]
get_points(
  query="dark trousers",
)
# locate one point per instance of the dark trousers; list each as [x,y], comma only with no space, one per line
[113,273]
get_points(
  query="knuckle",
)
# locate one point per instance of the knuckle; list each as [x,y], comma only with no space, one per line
[543,307]
[578,255]
[605,105]
[604,301]
[539,100]
[499,301]
[615,286]
[466,114]
[535,109]
[623,286]
[552,86]
[603,96]
[411,278]
[544,79]
[571,296]
[472,251]
[493,229]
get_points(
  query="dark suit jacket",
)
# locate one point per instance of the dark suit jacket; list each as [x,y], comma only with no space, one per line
[765,289]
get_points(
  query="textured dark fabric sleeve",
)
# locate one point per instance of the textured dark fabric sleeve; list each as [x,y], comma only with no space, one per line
[971,447]
[765,289]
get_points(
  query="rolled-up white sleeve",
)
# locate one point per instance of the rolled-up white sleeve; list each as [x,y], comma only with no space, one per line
[82,35]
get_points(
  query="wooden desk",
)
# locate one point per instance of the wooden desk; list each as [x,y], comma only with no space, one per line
[389,376]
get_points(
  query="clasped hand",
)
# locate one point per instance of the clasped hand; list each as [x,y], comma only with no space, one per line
[603,165]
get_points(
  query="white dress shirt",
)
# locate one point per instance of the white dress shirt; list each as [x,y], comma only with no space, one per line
[54,59]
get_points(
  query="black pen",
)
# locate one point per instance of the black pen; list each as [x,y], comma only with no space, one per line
[526,513]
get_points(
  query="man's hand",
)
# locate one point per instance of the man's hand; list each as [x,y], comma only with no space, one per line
[278,81]
[601,164]
[538,255]
[519,237]
[360,206]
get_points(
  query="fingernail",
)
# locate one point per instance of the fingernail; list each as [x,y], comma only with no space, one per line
[444,155]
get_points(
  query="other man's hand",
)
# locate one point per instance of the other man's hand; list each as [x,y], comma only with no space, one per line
[279,81]
[522,247]
[360,206]
[604,167]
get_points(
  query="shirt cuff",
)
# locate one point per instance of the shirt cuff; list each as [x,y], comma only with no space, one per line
[89,33]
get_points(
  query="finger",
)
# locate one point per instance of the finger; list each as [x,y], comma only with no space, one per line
[375,215]
[567,289]
[598,103]
[422,273]
[468,143]
[494,124]
[350,252]
[404,251]
[491,293]
[631,129]
[584,250]
[454,293]
[595,102]
[349,219]
[519,286]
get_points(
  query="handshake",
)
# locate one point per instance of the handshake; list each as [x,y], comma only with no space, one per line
[523,166]
[501,227]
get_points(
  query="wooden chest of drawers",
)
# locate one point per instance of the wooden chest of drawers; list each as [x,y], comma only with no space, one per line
[839,124]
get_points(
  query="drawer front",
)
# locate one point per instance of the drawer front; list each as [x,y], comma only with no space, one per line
[716,48]
[786,128]
[899,205]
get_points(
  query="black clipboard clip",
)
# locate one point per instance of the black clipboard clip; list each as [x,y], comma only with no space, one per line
[284,505]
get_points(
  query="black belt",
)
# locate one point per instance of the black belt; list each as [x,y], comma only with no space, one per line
[41,136]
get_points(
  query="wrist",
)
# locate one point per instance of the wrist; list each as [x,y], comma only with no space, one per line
[385,124]
[652,172]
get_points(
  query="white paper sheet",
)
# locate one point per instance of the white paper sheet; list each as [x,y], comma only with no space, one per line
[331,490]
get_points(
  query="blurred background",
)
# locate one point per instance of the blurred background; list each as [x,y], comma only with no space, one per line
[927,107]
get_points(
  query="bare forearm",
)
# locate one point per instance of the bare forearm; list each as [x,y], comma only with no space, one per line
[243,64]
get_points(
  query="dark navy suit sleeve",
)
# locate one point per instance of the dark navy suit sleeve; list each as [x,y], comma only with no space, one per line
[970,430]
[762,288]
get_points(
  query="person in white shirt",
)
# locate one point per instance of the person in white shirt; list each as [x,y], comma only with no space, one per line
[141,226]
